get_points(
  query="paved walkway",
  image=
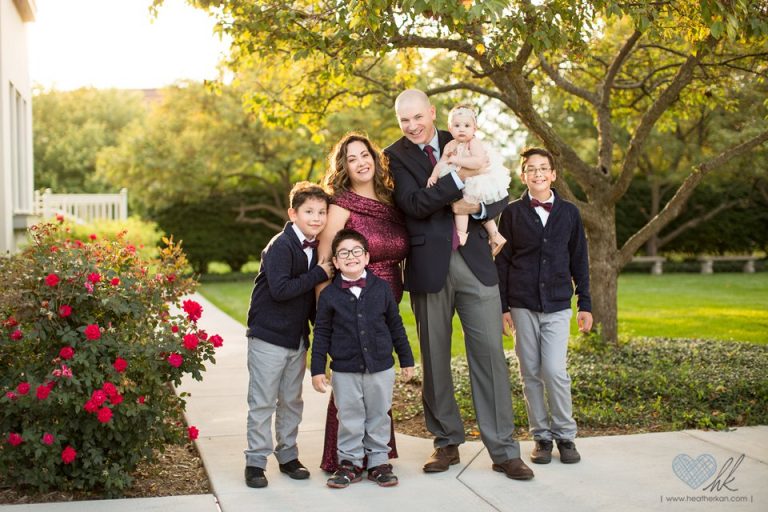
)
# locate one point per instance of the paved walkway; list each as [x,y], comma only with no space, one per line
[632,473]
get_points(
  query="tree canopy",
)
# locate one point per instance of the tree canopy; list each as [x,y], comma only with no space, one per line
[636,67]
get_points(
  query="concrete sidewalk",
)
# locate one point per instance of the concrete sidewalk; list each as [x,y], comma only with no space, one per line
[637,472]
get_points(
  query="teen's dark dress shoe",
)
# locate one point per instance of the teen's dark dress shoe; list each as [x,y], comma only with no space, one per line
[442,458]
[514,469]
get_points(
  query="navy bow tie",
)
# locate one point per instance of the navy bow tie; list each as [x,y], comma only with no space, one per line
[349,284]
[535,202]
[313,244]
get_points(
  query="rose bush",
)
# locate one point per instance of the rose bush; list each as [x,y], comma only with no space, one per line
[91,337]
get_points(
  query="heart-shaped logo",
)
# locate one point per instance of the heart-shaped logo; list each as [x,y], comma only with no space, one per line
[694,472]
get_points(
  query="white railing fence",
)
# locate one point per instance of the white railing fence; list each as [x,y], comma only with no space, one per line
[82,208]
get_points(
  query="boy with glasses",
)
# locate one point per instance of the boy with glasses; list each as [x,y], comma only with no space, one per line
[358,324]
[545,255]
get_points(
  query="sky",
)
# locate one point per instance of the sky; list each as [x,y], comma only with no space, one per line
[115,43]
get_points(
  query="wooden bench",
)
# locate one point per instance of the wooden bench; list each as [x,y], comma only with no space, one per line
[707,262]
[657,267]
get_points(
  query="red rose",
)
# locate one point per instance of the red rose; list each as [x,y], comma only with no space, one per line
[14,439]
[104,415]
[78,244]
[54,248]
[216,340]
[92,236]
[192,309]
[109,389]
[175,360]
[10,395]
[120,365]
[171,278]
[91,406]
[94,277]
[48,439]
[22,388]
[116,399]
[65,311]
[52,280]
[59,218]
[190,341]
[130,249]
[115,281]
[68,455]
[174,328]
[202,335]
[67,353]
[43,391]
[16,335]
[192,432]
[11,322]
[99,397]
[141,399]
[92,332]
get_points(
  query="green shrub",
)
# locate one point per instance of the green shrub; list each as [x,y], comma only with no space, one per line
[89,342]
[641,385]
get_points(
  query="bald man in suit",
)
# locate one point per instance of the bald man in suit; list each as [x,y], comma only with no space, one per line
[444,278]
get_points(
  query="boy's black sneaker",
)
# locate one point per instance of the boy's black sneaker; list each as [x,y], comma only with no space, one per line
[254,477]
[347,474]
[295,469]
[542,453]
[382,475]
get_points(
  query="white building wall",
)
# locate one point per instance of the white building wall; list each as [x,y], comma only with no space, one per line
[16,176]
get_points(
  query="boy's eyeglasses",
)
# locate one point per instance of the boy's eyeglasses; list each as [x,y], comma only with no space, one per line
[534,170]
[346,253]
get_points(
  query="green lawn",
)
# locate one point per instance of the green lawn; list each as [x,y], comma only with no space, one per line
[717,306]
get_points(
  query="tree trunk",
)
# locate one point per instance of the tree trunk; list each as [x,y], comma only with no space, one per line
[604,273]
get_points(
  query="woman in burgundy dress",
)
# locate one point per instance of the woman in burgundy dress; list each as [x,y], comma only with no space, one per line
[359,182]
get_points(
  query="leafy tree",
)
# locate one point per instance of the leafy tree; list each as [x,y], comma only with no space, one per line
[634,66]
[71,127]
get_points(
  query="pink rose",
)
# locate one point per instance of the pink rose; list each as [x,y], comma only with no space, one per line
[130,249]
[52,280]
[104,415]
[120,365]
[92,332]
[115,281]
[48,439]
[190,341]
[43,391]
[109,389]
[216,340]
[67,353]
[99,397]
[68,455]
[16,335]
[192,309]
[94,277]
[65,311]
[22,388]
[89,287]
[91,406]
[14,439]
[141,399]
[175,360]
[10,395]
[192,432]
[59,218]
